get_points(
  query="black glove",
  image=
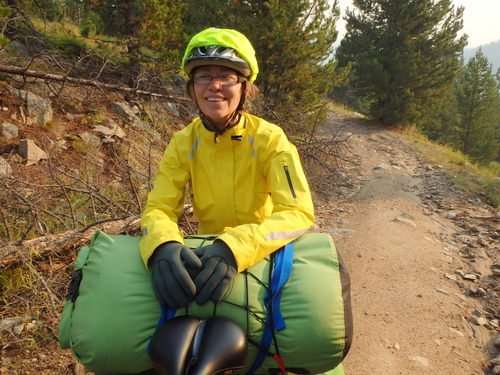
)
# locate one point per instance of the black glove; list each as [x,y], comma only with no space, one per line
[217,272]
[171,282]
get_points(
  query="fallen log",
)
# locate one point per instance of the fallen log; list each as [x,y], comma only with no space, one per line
[13,253]
[12,69]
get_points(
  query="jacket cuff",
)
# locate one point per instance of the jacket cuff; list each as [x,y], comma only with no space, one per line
[150,242]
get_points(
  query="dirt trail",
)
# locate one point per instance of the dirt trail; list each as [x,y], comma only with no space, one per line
[409,317]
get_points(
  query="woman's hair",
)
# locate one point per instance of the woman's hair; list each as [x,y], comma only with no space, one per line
[250,90]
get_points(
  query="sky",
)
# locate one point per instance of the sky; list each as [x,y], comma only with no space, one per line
[481,20]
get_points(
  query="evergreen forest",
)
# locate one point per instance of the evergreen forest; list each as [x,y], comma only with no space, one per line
[400,62]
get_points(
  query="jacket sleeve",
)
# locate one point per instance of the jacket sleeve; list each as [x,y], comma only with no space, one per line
[293,212]
[165,203]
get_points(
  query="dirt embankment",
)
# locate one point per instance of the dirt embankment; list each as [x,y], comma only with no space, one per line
[422,261]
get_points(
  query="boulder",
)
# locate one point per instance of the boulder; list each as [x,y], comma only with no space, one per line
[172,109]
[18,49]
[39,109]
[110,129]
[31,152]
[90,139]
[128,113]
[9,130]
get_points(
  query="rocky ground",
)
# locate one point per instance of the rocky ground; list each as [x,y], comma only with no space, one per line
[423,259]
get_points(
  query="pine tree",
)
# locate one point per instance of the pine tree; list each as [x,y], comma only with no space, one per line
[478,100]
[404,55]
[151,26]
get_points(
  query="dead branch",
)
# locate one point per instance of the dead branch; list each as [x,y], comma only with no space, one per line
[86,82]
[12,253]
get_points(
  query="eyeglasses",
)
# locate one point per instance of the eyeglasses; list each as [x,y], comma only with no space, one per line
[228,79]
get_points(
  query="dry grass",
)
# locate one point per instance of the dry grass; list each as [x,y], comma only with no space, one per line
[467,175]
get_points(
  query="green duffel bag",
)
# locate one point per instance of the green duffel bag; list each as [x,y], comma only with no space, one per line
[112,312]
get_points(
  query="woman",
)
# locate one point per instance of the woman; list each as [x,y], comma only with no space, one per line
[246,180]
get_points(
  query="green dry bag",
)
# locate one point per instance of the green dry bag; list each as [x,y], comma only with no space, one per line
[112,311]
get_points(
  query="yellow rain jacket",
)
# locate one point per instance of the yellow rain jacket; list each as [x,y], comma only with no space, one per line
[249,186]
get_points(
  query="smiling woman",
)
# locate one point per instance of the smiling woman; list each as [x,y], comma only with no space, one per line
[246,181]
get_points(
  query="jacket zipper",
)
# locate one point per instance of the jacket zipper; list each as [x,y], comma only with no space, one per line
[287,172]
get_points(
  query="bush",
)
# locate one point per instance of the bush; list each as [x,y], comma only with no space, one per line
[67,45]
[88,29]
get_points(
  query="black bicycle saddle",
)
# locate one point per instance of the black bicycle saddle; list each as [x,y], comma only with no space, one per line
[191,346]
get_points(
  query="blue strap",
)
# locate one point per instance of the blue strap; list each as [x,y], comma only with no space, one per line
[282,268]
[166,313]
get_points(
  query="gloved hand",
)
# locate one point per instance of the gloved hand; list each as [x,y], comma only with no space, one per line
[171,281]
[218,270]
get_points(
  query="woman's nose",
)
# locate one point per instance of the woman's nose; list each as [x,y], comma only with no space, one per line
[215,84]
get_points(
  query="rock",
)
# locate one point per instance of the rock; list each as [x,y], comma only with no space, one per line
[496,341]
[128,113]
[31,152]
[477,313]
[404,221]
[396,346]
[39,109]
[5,169]
[73,116]
[479,321]
[493,323]
[476,291]
[421,360]
[451,215]
[111,129]
[59,144]
[90,139]
[456,332]
[9,323]
[18,49]
[340,230]
[496,370]
[30,325]
[451,277]
[18,329]
[172,109]
[9,130]
[470,276]
[495,361]
[442,291]
[382,166]
[460,273]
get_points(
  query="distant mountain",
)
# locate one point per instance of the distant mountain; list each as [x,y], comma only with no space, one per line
[490,50]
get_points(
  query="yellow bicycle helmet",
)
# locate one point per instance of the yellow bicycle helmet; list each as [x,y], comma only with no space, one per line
[224,47]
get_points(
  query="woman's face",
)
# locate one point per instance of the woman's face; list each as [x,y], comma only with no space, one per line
[216,100]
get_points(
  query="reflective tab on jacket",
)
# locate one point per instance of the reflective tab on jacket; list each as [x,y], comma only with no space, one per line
[251,141]
[144,231]
[273,236]
[194,147]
